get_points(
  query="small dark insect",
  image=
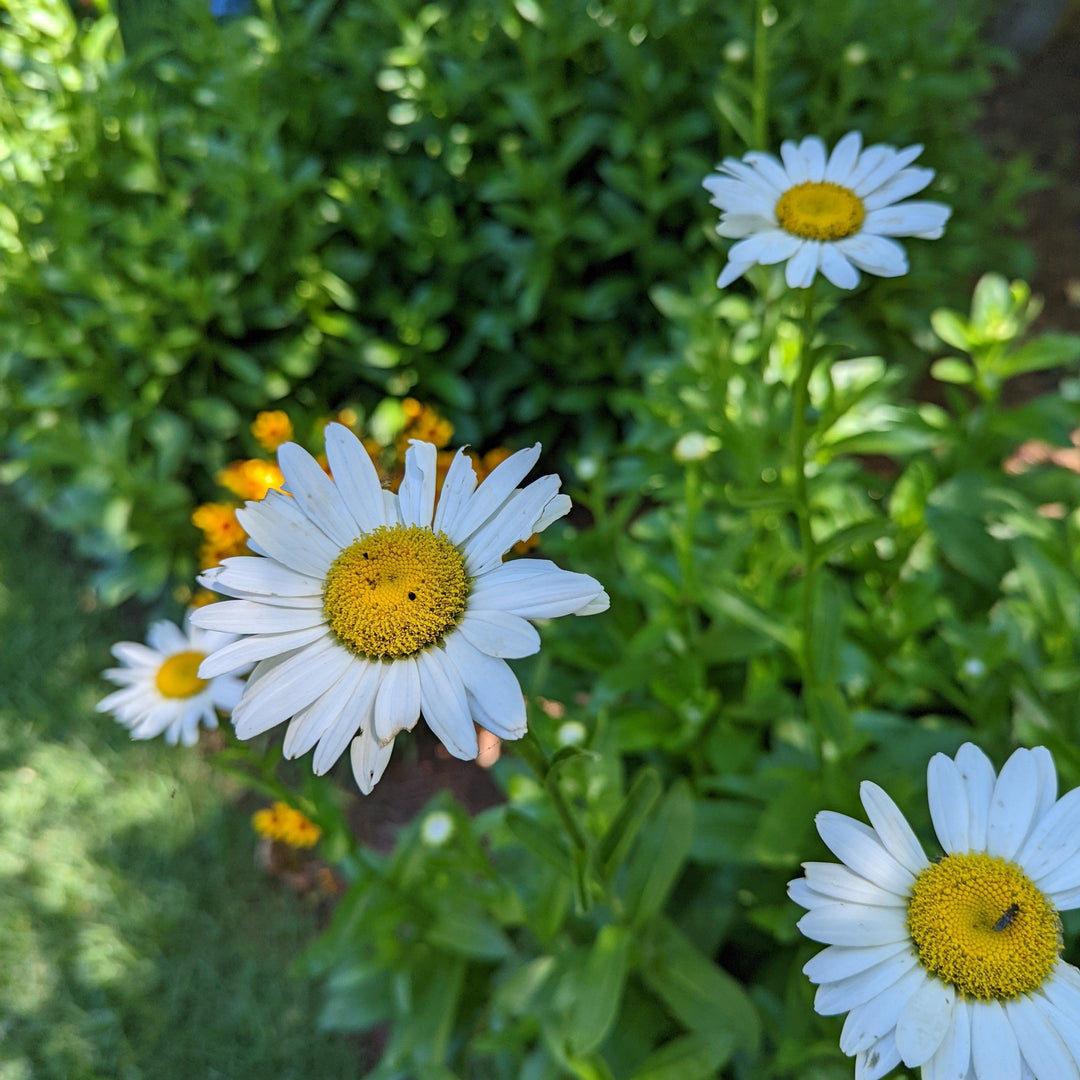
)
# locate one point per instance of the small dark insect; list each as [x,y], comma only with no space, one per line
[173,794]
[1006,920]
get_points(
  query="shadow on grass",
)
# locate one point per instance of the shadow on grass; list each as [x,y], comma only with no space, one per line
[138,940]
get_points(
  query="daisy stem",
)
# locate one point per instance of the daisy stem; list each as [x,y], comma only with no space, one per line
[759,101]
[799,406]
[530,749]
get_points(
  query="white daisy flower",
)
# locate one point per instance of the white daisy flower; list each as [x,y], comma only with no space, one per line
[161,689]
[952,966]
[834,213]
[363,609]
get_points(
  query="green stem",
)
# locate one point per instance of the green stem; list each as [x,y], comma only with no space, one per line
[760,100]
[530,749]
[800,405]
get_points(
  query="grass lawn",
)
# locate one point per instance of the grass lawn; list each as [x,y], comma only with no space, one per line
[138,941]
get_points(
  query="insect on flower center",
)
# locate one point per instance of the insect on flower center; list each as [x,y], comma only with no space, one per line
[178,677]
[395,591]
[819,210]
[980,923]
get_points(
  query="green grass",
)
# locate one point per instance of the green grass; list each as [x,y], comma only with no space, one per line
[138,941]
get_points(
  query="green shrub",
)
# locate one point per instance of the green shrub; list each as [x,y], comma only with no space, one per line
[335,201]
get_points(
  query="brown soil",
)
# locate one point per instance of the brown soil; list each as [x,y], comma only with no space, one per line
[1035,111]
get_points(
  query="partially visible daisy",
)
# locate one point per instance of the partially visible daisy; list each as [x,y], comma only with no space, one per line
[363,608]
[161,688]
[952,966]
[834,213]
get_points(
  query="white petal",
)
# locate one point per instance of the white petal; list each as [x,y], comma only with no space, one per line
[416,496]
[953,1058]
[494,694]
[731,272]
[925,220]
[842,159]
[837,269]
[1063,878]
[397,706]
[1040,1044]
[498,633]
[253,617]
[391,508]
[369,761]
[254,574]
[948,804]
[879,1059]
[515,521]
[315,494]
[924,1021]
[766,248]
[867,1023]
[978,776]
[458,486]
[875,254]
[1053,839]
[793,162]
[842,961]
[355,715]
[812,151]
[289,687]
[445,705]
[994,1049]
[1062,989]
[355,476]
[755,178]
[555,508]
[534,589]
[736,197]
[904,184]
[240,654]
[858,846]
[867,162]
[492,493]
[840,883]
[136,655]
[886,169]
[799,892]
[282,531]
[842,996]
[771,171]
[309,725]
[738,226]
[225,692]
[1012,806]
[803,265]
[167,638]
[892,828]
[1044,763]
[854,924]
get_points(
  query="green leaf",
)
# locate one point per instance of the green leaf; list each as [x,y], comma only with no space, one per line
[644,791]
[595,989]
[951,369]
[690,1057]
[952,329]
[356,999]
[700,995]
[468,930]
[660,854]
[1048,351]
[540,840]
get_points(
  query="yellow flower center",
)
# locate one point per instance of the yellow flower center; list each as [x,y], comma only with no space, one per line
[178,677]
[980,923]
[395,591]
[820,211]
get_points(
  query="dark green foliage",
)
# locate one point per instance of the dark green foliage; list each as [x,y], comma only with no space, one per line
[334,201]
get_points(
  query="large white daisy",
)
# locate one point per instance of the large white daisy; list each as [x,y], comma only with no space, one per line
[953,966]
[363,609]
[161,689]
[835,213]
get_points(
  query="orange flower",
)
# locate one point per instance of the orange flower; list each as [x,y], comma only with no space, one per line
[423,422]
[286,825]
[223,535]
[251,479]
[271,429]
